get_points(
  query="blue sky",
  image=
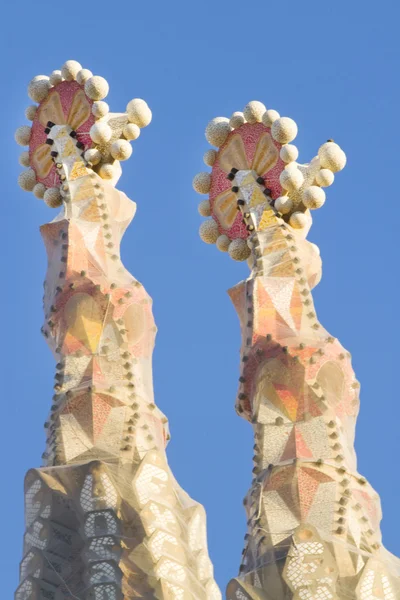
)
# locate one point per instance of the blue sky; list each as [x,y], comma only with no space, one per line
[332,67]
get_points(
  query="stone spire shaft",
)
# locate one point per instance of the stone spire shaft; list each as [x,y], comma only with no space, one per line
[313,522]
[105,518]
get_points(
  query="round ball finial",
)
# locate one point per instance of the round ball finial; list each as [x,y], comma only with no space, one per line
[38,88]
[106,171]
[100,133]
[217,131]
[325,177]
[30,112]
[239,250]
[289,153]
[23,135]
[96,87]
[223,243]
[27,180]
[131,131]
[209,231]
[23,159]
[52,197]
[100,109]
[284,130]
[204,208]
[291,178]
[70,70]
[83,75]
[313,197]
[332,157]
[254,111]
[269,117]
[298,220]
[39,191]
[93,156]
[55,78]
[209,158]
[283,204]
[121,150]
[202,182]
[237,119]
[139,112]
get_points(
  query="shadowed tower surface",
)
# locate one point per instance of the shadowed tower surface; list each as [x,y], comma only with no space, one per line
[105,518]
[312,520]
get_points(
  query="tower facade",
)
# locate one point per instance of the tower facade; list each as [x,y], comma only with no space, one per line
[312,519]
[105,518]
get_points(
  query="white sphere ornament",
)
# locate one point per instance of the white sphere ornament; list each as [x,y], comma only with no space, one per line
[204,208]
[239,250]
[70,70]
[55,78]
[269,117]
[313,197]
[27,180]
[298,220]
[202,182]
[100,133]
[23,135]
[139,112]
[131,131]
[93,156]
[284,130]
[209,158]
[209,231]
[283,204]
[38,88]
[30,112]
[121,150]
[100,109]
[83,75]
[96,87]
[237,119]
[23,159]
[291,178]
[289,153]
[331,157]
[217,131]
[223,243]
[39,190]
[325,178]
[254,111]
[106,171]
[52,197]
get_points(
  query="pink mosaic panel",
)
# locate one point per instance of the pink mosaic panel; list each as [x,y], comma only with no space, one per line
[250,134]
[66,91]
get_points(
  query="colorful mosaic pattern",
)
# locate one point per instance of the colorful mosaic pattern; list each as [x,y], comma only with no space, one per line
[313,520]
[253,151]
[105,518]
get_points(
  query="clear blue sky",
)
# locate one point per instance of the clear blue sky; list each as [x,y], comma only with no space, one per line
[334,68]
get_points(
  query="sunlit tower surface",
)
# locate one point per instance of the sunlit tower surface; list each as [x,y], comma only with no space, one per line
[105,518]
[312,520]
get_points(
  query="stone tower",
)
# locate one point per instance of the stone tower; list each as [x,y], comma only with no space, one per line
[105,518]
[312,520]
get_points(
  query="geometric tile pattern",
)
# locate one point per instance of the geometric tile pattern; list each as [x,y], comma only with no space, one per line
[105,518]
[313,520]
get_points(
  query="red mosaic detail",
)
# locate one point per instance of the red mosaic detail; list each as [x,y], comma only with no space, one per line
[66,91]
[250,135]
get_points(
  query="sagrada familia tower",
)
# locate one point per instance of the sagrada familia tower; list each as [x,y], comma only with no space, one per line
[105,518]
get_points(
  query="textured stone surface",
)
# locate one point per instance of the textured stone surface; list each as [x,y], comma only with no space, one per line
[105,518]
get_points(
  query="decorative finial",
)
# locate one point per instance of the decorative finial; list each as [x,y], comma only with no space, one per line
[74,97]
[256,163]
